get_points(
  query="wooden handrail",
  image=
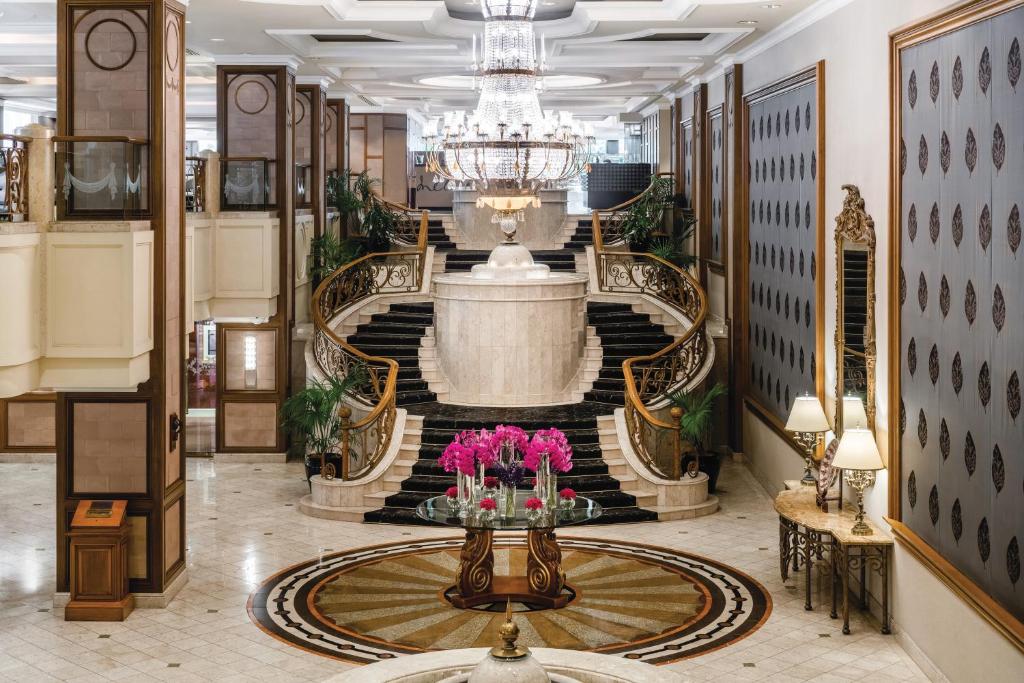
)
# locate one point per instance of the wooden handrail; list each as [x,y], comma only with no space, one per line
[101,138]
[367,285]
[15,138]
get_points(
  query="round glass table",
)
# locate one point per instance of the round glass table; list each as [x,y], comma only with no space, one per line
[543,585]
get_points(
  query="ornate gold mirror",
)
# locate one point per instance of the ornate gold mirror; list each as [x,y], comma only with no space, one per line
[855,314]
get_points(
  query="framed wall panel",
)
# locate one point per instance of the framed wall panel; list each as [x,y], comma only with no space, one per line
[957,302]
[784,233]
[28,424]
[686,144]
[713,218]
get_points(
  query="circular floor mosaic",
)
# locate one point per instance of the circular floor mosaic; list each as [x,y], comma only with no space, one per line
[634,601]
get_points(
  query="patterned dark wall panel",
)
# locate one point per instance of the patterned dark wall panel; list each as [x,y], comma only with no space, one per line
[783,237]
[687,141]
[962,300]
[717,183]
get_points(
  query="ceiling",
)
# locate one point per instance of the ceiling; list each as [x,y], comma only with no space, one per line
[400,55]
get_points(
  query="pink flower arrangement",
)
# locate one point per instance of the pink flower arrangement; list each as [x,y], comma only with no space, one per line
[490,482]
[458,457]
[534,504]
[509,434]
[552,444]
[452,492]
[467,449]
[567,494]
[488,504]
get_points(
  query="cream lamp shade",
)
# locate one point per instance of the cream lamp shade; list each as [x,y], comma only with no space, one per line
[853,412]
[807,416]
[858,451]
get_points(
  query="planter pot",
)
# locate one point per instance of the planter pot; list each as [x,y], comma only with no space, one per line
[710,464]
[313,464]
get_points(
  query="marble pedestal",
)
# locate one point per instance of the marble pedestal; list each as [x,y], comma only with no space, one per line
[510,342]
[541,228]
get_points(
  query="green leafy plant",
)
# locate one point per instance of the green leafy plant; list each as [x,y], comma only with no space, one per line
[673,252]
[340,195]
[698,414]
[328,253]
[311,415]
[645,216]
[378,222]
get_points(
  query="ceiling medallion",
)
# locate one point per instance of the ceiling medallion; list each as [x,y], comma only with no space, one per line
[508,147]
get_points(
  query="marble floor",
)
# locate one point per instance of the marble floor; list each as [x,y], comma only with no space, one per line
[244,525]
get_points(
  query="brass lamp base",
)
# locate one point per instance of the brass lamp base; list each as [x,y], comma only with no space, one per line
[860,480]
[860,528]
[809,440]
[808,478]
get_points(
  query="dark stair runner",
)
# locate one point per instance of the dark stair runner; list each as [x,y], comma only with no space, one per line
[583,236]
[623,334]
[396,335]
[463,260]
[437,236]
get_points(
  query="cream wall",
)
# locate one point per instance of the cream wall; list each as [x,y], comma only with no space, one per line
[930,619]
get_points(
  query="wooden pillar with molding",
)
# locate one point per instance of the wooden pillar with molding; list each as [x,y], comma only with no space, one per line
[121,75]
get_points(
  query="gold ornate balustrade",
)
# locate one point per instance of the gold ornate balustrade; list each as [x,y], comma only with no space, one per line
[195,184]
[612,221]
[13,177]
[651,378]
[410,226]
[368,424]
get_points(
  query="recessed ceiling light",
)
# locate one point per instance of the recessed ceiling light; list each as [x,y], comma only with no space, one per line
[188,21]
[771,5]
[216,40]
[747,22]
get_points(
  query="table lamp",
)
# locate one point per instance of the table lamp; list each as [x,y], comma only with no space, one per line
[807,421]
[854,414]
[858,457]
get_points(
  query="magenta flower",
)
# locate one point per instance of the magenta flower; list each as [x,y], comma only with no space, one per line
[567,494]
[509,434]
[550,444]
[488,504]
[534,503]
[490,482]
[457,457]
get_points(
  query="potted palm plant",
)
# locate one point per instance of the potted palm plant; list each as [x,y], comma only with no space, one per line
[645,216]
[378,221]
[695,429]
[311,417]
[328,253]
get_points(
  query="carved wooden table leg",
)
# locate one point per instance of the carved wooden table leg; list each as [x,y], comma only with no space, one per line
[476,564]
[544,563]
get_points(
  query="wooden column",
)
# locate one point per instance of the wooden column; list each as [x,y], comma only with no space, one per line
[255,118]
[700,181]
[314,95]
[121,72]
[735,215]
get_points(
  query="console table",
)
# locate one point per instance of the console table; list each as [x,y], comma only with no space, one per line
[805,533]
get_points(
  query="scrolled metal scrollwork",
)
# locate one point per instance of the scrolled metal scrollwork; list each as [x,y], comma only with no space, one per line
[14,173]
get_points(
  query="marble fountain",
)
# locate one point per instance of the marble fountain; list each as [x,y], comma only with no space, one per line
[510,332]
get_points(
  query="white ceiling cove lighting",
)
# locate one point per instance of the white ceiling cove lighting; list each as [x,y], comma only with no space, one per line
[508,147]
[559,81]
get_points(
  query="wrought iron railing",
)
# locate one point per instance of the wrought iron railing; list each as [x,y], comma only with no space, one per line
[195,184]
[101,176]
[652,378]
[613,220]
[366,430]
[410,226]
[13,177]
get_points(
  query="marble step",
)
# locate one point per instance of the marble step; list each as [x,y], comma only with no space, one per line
[384,339]
[439,483]
[378,327]
[418,319]
[429,466]
[413,307]
[578,435]
[611,398]
[597,319]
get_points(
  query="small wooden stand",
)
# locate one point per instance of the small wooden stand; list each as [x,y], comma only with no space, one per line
[99,562]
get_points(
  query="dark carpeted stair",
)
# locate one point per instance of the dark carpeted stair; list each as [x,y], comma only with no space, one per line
[589,476]
[583,236]
[396,335]
[623,334]
[437,236]
[462,260]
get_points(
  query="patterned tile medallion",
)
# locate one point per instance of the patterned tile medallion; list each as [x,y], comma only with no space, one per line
[640,602]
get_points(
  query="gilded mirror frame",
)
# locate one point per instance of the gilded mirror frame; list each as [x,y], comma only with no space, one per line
[855,231]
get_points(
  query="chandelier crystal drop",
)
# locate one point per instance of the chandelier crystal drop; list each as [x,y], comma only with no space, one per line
[508,147]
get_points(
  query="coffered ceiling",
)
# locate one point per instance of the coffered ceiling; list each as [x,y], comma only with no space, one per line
[604,57]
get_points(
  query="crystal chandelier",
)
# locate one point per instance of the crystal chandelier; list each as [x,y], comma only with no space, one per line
[508,148]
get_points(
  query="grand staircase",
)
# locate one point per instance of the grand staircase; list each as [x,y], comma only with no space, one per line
[397,334]
[463,260]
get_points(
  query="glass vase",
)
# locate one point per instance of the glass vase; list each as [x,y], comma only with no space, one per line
[545,485]
[507,500]
[466,485]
